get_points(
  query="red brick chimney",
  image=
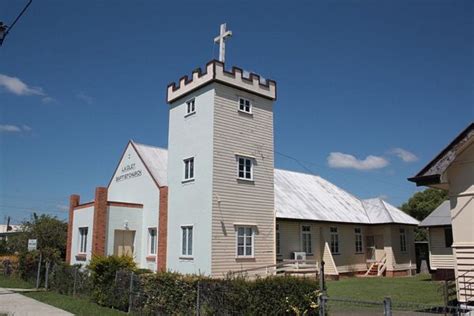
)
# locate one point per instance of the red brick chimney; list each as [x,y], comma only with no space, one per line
[74,201]
[100,222]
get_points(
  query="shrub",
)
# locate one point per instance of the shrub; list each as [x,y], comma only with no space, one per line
[176,294]
[105,288]
[63,277]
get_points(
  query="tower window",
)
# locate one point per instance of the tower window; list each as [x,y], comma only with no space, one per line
[245,105]
[187,241]
[190,107]
[245,168]
[189,169]
[245,237]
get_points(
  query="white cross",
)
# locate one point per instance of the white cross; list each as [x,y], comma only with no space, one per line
[221,40]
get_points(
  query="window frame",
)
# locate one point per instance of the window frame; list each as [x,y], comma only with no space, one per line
[245,158]
[190,107]
[403,240]
[309,234]
[250,105]
[188,251]
[187,170]
[277,239]
[149,241]
[252,240]
[359,240]
[450,238]
[82,240]
[334,240]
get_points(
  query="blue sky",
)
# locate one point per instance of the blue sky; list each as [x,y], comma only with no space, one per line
[357,82]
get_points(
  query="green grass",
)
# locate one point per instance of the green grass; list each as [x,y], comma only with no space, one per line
[419,289]
[15,282]
[77,306]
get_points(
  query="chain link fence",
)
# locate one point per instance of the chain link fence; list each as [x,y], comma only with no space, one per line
[128,292]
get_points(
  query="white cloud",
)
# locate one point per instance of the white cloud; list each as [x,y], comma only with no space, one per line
[18,87]
[341,160]
[7,128]
[404,155]
[84,97]
[62,207]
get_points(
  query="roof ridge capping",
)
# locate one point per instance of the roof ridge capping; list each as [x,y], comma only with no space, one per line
[215,72]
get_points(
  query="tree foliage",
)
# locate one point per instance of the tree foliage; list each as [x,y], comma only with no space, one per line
[50,232]
[421,204]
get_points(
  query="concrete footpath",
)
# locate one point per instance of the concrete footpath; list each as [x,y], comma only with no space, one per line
[12,303]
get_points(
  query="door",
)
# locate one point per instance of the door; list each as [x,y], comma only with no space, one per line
[370,242]
[123,242]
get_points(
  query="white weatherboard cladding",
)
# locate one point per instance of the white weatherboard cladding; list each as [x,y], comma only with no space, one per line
[239,201]
[117,217]
[83,217]
[138,189]
[190,203]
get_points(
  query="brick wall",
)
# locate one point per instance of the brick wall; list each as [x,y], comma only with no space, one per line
[100,222]
[162,229]
[74,201]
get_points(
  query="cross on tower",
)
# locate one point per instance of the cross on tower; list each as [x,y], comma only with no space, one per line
[221,40]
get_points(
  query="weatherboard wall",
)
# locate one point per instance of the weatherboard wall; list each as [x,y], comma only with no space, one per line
[239,201]
[441,257]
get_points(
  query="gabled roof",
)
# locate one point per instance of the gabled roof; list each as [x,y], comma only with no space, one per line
[441,216]
[431,173]
[309,197]
[300,196]
[155,160]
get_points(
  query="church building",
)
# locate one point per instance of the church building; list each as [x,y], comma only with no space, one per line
[213,203]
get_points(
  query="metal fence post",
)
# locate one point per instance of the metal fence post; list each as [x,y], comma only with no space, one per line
[130,295]
[46,277]
[321,278]
[198,307]
[74,285]
[387,306]
[38,273]
[322,305]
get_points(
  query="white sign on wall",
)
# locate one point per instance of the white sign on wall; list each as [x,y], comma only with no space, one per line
[32,244]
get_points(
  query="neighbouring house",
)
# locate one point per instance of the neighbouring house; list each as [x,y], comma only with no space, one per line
[8,231]
[453,170]
[440,240]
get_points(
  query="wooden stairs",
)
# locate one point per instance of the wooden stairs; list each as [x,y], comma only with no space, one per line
[377,268]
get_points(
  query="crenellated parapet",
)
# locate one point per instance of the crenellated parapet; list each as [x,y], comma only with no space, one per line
[215,72]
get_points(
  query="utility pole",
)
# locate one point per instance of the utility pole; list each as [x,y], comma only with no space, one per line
[5,29]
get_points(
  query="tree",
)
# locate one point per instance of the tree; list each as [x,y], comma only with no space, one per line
[421,204]
[51,235]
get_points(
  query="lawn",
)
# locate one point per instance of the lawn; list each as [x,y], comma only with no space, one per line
[77,306]
[16,283]
[419,289]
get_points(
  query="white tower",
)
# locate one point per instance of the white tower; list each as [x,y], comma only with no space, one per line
[220,172]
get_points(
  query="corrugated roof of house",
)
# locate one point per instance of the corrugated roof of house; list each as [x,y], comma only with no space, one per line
[441,216]
[310,197]
[301,196]
[156,160]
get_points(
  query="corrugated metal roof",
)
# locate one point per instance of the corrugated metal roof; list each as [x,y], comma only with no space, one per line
[302,196]
[310,197]
[156,160]
[441,216]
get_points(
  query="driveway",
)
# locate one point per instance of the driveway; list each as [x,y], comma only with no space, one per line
[12,303]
